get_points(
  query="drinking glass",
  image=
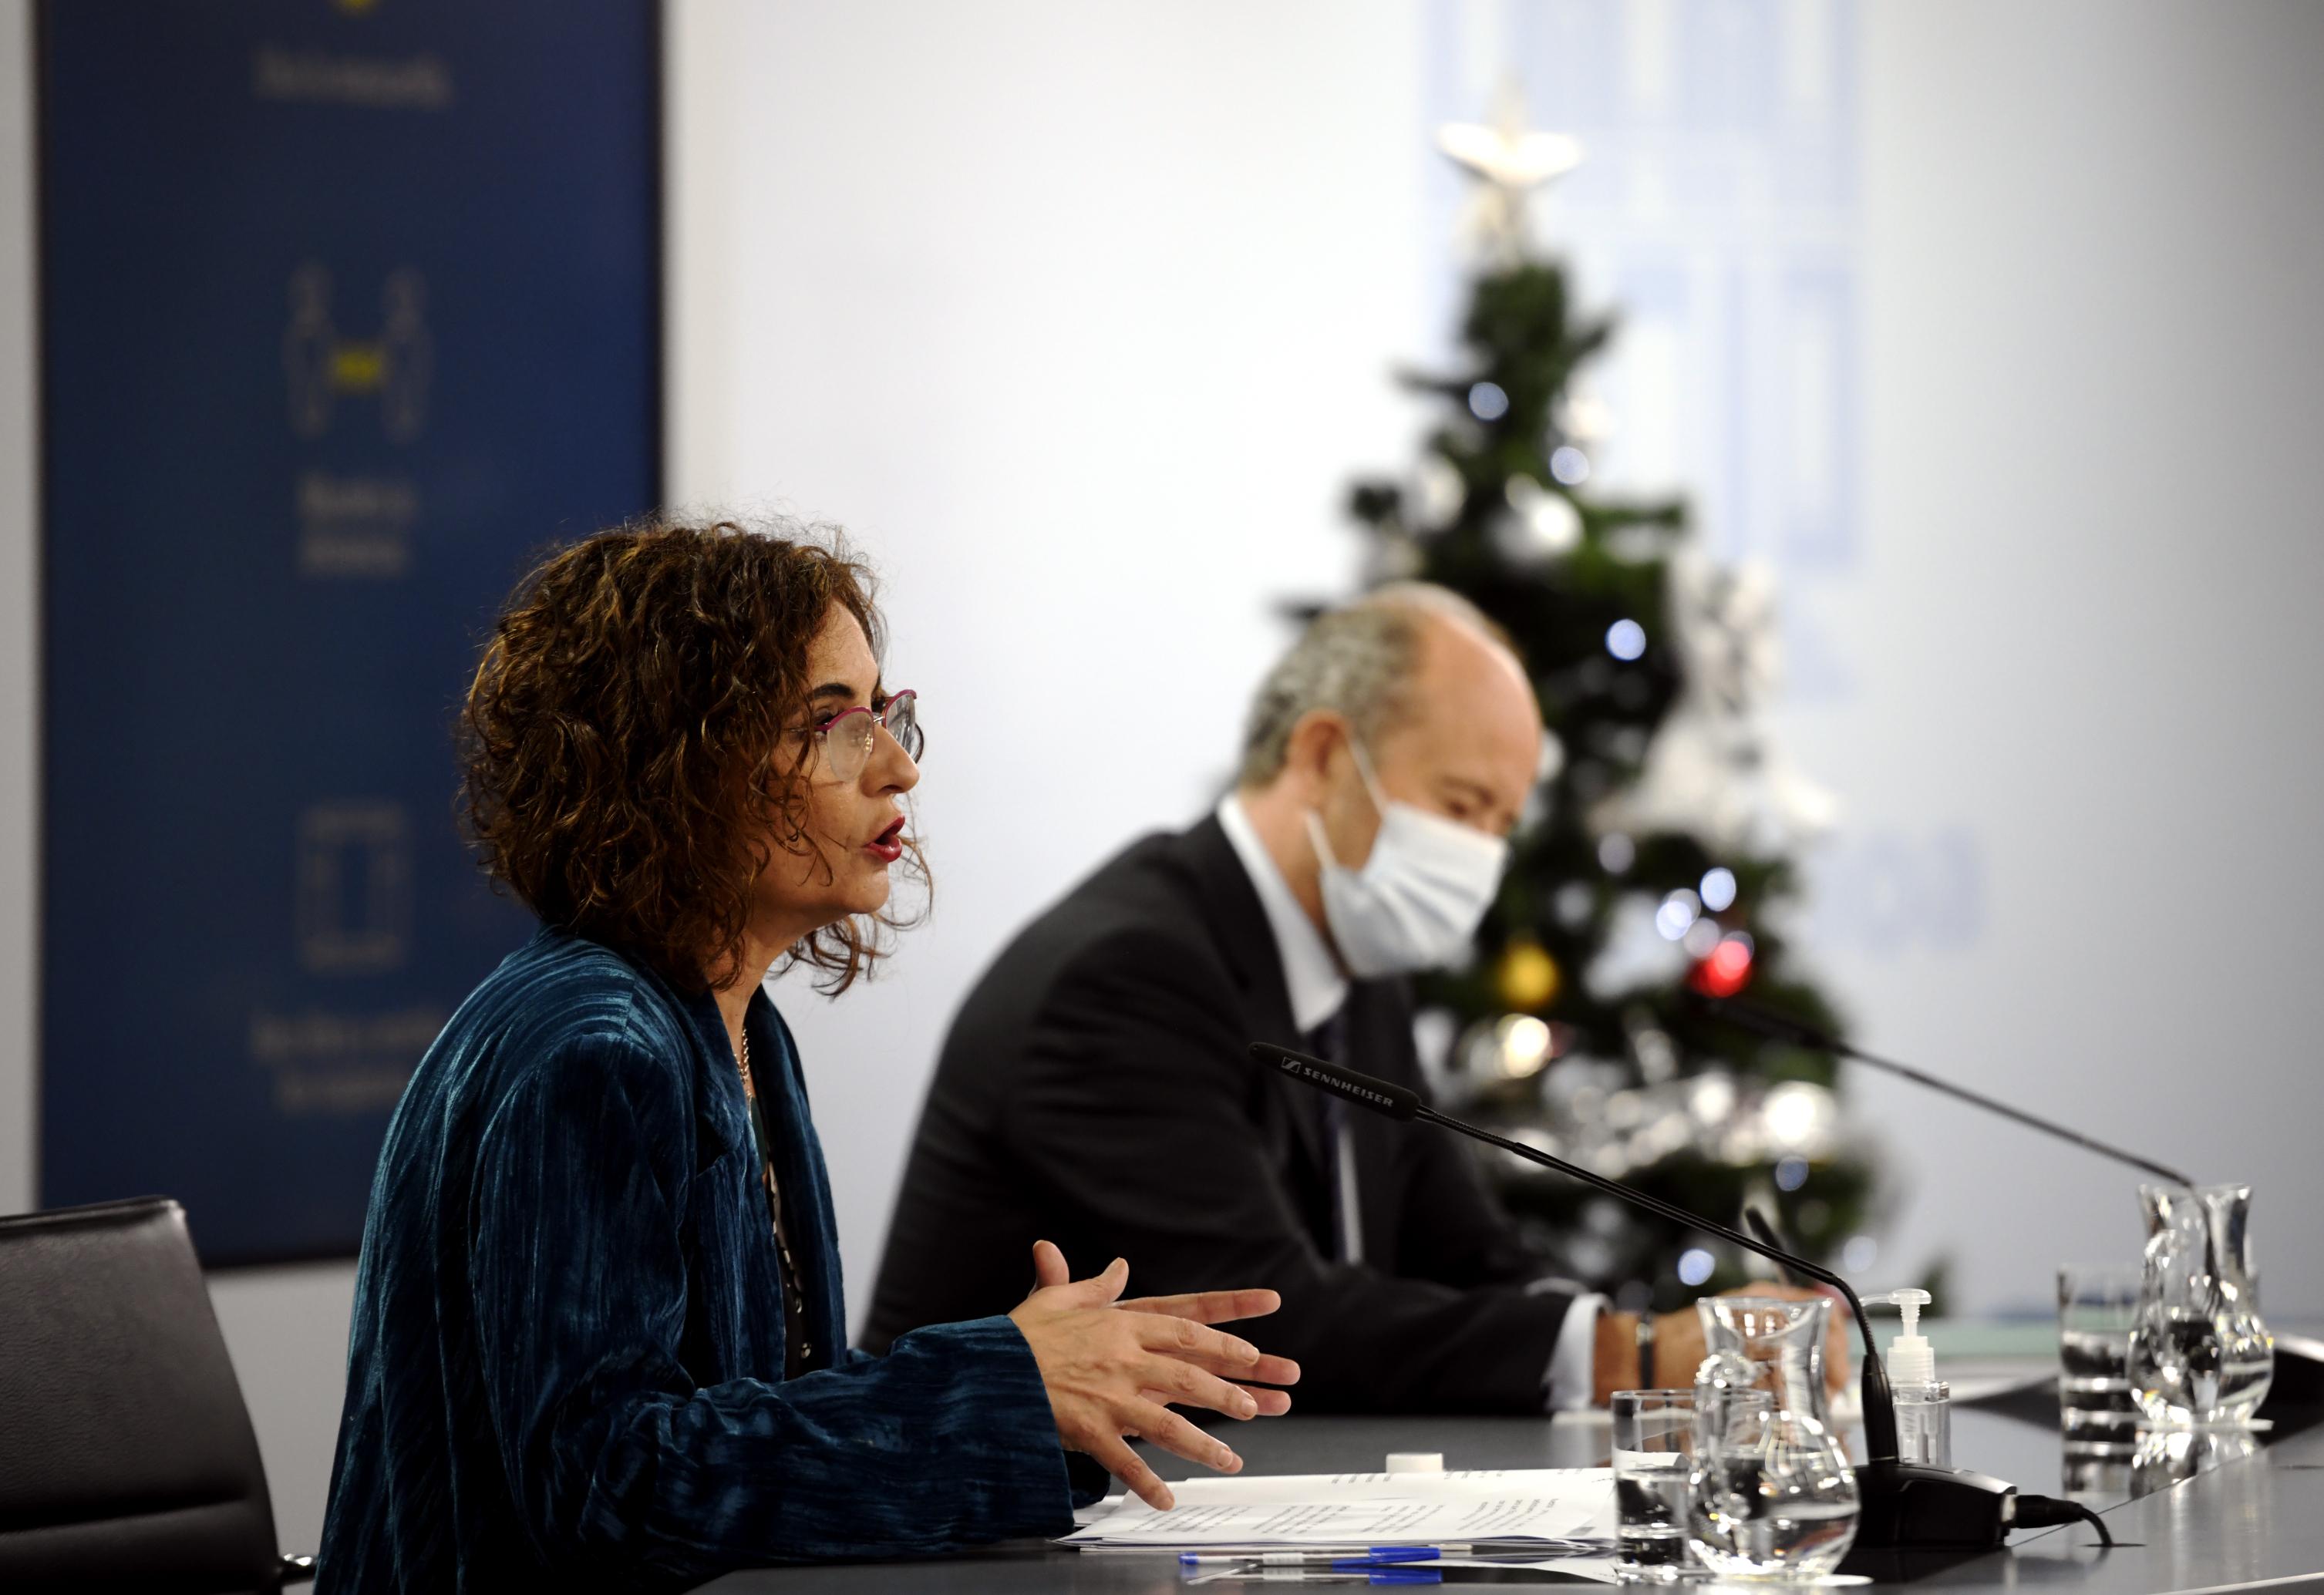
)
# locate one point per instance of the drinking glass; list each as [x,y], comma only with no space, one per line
[1653,1442]
[2098,1304]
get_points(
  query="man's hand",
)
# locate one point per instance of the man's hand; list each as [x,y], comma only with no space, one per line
[1114,1368]
[1679,1348]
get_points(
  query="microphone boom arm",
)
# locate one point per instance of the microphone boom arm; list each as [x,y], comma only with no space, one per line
[1879,1411]
[1403,1104]
[1782,1028]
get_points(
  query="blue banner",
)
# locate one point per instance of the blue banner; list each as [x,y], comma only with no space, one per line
[347,309]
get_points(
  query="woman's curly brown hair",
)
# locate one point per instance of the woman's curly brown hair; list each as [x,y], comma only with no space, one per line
[623,738]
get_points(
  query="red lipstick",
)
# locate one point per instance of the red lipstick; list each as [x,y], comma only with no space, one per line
[888,846]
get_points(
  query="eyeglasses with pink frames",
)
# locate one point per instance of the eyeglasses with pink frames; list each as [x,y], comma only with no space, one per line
[848,737]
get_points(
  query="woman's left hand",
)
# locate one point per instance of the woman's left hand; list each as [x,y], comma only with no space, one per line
[1109,1381]
[1210,1306]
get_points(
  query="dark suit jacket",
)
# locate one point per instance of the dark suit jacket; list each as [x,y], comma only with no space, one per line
[1095,1091]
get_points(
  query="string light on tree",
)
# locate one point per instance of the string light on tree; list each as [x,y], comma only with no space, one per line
[1677,914]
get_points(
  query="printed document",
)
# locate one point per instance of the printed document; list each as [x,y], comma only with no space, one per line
[1554,1510]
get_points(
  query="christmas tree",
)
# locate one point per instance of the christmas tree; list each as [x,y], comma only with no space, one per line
[1659,860]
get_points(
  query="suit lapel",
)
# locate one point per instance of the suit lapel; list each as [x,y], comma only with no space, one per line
[1238,922]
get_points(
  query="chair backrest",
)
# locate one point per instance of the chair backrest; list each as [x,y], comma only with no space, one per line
[126,1456]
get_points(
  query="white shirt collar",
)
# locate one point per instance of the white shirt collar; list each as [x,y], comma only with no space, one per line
[1310,973]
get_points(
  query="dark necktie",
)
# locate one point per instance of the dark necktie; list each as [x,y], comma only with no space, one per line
[1328,1041]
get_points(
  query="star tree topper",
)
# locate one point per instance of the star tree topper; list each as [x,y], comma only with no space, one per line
[1509,162]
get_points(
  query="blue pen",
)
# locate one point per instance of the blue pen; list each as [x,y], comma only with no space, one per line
[1343,1561]
[1322,1575]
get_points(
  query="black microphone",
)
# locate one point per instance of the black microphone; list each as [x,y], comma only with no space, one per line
[1778,1026]
[1902,1504]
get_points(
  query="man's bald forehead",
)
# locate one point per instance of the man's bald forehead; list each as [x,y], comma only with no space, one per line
[1429,600]
[1448,638]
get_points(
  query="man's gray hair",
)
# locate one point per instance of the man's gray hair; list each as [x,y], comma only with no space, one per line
[1355,662]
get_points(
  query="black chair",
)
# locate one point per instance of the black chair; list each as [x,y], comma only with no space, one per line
[126,1456]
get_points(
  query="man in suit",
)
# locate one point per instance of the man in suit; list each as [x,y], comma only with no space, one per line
[1095,1088]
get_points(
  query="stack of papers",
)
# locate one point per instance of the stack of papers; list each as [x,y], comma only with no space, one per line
[1542,1513]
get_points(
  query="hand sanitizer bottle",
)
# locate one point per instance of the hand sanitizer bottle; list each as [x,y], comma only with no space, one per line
[1924,1411]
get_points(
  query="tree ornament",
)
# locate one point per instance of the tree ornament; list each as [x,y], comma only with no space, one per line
[1553,760]
[1715,772]
[1437,492]
[1725,968]
[1393,558]
[1584,418]
[1509,162]
[1527,977]
[1540,525]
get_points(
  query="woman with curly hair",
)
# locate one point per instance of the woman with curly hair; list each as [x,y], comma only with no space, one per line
[598,1330]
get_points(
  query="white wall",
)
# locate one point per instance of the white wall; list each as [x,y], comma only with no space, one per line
[2084,624]
[1081,317]
[1078,318]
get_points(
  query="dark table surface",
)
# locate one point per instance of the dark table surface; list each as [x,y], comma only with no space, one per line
[2241,1523]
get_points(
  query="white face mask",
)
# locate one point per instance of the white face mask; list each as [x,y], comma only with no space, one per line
[1419,897]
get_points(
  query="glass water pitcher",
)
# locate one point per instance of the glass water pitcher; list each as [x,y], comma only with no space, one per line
[2200,1356]
[1770,1493]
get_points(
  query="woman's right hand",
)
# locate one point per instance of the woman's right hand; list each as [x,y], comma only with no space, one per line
[1111,1367]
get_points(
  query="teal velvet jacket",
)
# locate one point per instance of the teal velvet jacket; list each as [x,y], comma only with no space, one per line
[566,1357]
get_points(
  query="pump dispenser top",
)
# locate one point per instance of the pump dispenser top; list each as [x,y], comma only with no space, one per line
[1909,1359]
